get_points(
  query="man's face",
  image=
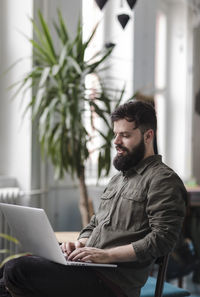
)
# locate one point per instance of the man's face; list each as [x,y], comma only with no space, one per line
[129,143]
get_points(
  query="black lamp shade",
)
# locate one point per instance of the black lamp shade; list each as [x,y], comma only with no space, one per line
[131,3]
[109,45]
[101,3]
[123,19]
[197,103]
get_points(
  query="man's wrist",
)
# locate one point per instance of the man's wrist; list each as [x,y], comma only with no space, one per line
[83,240]
[110,256]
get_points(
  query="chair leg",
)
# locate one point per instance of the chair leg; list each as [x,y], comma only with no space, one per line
[180,282]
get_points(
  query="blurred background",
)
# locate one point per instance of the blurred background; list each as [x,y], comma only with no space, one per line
[156,54]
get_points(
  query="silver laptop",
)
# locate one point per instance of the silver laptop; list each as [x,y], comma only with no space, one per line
[33,230]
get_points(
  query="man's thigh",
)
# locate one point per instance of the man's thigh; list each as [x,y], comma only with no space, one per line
[35,276]
[3,291]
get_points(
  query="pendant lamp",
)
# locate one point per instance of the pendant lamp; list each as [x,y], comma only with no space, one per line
[123,19]
[101,3]
[197,103]
[131,3]
[109,44]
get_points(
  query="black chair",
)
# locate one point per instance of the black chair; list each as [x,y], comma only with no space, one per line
[157,287]
[183,261]
[162,262]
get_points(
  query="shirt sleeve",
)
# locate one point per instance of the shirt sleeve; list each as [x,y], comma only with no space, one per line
[166,206]
[87,231]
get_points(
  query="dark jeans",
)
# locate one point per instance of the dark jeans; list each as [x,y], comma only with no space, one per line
[32,276]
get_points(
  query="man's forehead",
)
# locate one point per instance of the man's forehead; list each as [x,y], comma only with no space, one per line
[123,125]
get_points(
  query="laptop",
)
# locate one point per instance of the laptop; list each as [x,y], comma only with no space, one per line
[33,230]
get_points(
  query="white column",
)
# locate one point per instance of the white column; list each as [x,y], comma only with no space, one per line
[121,61]
[15,133]
[178,95]
[144,46]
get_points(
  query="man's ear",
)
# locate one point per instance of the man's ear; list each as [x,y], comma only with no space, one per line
[148,135]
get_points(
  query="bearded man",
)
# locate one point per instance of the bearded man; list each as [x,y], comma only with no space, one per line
[139,219]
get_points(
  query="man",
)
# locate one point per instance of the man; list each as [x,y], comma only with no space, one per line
[139,219]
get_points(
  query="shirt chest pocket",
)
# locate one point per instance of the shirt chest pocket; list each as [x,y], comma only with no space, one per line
[130,212]
[105,204]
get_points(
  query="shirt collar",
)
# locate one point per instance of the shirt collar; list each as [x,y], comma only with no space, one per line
[142,165]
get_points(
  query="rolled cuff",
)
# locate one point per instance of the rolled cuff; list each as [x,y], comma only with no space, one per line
[139,249]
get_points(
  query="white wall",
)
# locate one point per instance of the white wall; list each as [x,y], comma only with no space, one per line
[144,46]
[15,148]
[121,69]
[176,110]
[179,93]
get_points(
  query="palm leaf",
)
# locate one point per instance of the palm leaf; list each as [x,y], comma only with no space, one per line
[96,64]
[91,36]
[47,36]
[12,257]
[62,28]
[4,251]
[9,237]
[42,51]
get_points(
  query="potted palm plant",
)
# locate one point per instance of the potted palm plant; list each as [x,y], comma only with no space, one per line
[62,99]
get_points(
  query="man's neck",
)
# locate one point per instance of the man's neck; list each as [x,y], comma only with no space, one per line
[149,154]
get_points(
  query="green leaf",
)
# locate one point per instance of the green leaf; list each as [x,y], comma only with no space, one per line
[100,112]
[9,237]
[63,28]
[100,164]
[99,62]
[55,70]
[47,36]
[120,98]
[4,251]
[38,101]
[42,51]
[63,55]
[91,36]
[73,63]
[44,76]
[13,257]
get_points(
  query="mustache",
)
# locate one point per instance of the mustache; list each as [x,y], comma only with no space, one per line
[119,146]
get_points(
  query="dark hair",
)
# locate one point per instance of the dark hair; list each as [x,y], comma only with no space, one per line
[142,113]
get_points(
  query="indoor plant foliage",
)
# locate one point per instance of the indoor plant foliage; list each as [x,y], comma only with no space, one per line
[62,98]
[8,254]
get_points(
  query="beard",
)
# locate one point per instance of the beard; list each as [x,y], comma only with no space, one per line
[131,159]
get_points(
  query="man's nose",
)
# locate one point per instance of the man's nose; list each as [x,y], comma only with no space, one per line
[118,139]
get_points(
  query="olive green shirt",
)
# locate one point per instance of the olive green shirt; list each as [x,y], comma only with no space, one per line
[145,207]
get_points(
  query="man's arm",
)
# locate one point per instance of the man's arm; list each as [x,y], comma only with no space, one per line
[124,253]
[165,210]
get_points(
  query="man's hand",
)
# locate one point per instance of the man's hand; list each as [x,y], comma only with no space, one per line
[90,254]
[68,247]
[124,253]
